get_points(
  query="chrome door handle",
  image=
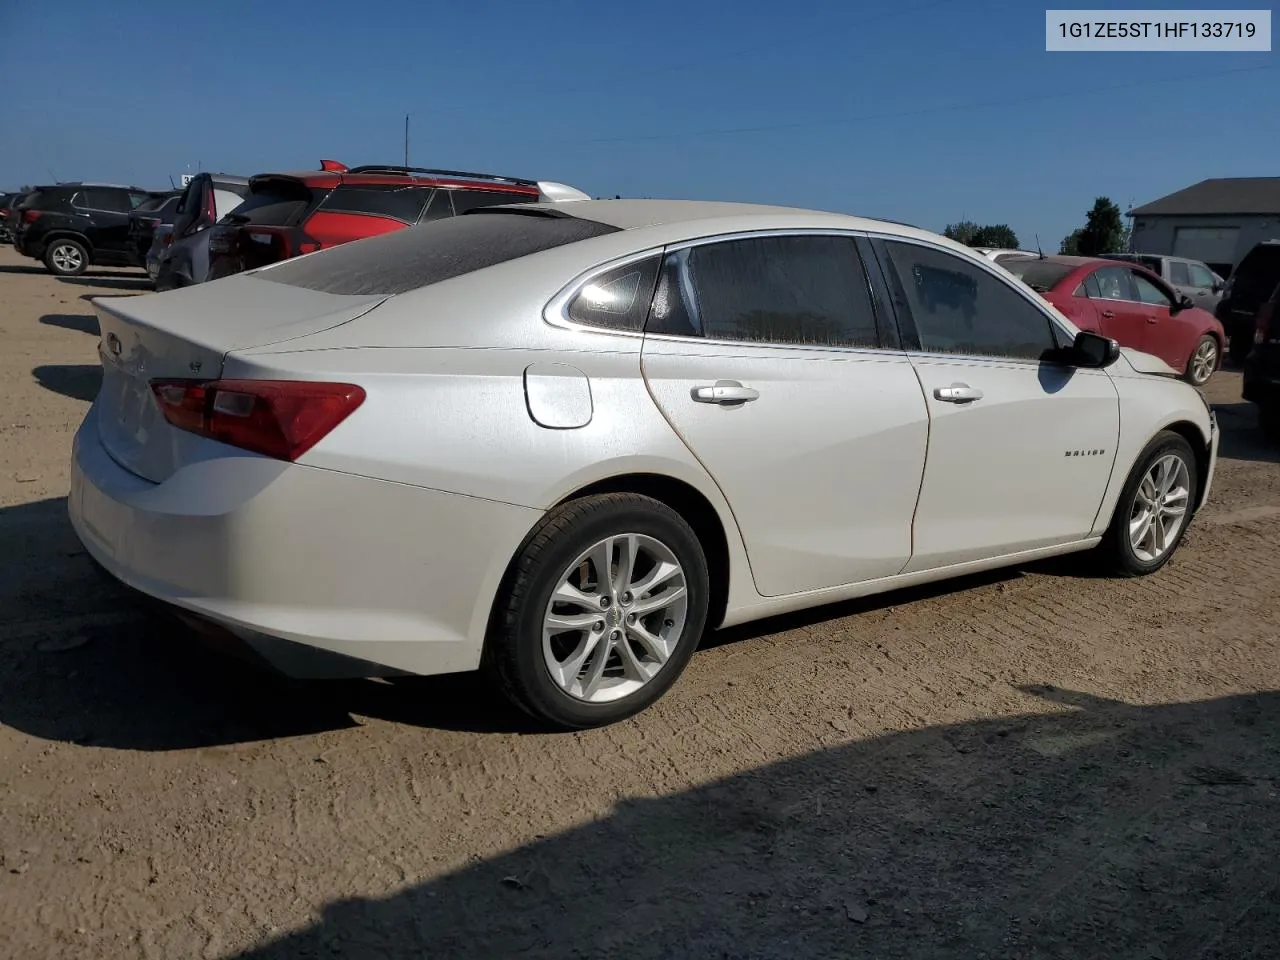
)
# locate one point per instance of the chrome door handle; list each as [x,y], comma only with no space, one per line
[1108,314]
[724,391]
[957,393]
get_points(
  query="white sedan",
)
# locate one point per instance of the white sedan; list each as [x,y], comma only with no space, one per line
[560,441]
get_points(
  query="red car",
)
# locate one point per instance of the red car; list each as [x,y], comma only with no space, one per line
[289,214]
[1132,306]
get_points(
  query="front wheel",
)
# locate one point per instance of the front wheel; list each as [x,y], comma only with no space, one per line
[601,611]
[1203,362]
[1154,509]
[66,258]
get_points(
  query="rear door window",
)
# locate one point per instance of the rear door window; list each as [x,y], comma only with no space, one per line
[1200,276]
[1179,274]
[1114,283]
[398,203]
[802,290]
[104,198]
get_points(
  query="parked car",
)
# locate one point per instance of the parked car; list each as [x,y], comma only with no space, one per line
[7,202]
[1000,255]
[208,198]
[1262,367]
[72,226]
[287,214]
[1192,278]
[1131,305]
[144,219]
[438,449]
[1247,289]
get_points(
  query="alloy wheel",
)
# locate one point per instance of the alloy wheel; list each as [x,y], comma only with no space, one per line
[66,258]
[1160,507]
[615,618]
[1204,361]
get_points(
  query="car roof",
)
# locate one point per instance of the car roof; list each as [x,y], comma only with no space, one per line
[699,215]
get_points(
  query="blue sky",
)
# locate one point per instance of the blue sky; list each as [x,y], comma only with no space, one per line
[871,108]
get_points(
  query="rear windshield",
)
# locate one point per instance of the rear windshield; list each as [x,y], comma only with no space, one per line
[151,203]
[274,203]
[1038,274]
[420,256]
[1258,273]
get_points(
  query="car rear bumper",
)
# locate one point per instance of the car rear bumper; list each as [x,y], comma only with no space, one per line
[320,573]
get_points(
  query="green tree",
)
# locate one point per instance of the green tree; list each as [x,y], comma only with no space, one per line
[1103,230]
[997,235]
[962,232]
[1071,243]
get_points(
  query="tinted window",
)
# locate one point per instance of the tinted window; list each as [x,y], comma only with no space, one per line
[398,203]
[960,308]
[801,290]
[1200,275]
[1179,274]
[618,299]
[104,198]
[464,200]
[1148,292]
[1257,274]
[276,203]
[1042,275]
[1091,287]
[408,259]
[150,204]
[1113,284]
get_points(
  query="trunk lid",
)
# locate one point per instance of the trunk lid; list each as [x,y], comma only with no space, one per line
[186,334]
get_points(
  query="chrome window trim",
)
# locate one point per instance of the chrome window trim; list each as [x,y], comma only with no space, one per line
[556,311]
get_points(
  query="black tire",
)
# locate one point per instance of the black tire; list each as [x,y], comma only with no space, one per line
[1116,550]
[65,257]
[1189,374]
[513,652]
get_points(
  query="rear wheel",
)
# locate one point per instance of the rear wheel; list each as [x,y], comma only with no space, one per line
[1154,509]
[66,258]
[601,612]
[1203,362]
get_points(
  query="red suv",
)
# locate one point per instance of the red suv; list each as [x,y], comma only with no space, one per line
[289,214]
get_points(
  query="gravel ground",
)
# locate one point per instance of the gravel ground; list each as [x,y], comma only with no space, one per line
[1033,763]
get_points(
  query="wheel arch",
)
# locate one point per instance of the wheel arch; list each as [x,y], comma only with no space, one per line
[1199,444]
[63,233]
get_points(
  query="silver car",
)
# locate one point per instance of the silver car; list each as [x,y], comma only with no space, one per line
[1192,278]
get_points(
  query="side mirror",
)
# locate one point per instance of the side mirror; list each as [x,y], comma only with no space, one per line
[1094,350]
[1182,303]
[1218,286]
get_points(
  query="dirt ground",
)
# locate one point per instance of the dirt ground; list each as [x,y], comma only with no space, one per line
[1035,763]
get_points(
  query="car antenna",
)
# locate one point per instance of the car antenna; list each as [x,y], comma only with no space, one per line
[1038,250]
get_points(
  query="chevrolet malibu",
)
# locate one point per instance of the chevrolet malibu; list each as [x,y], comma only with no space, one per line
[558,442]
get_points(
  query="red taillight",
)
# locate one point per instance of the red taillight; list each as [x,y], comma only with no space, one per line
[31,216]
[279,418]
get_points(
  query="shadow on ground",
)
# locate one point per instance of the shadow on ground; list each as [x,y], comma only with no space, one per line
[80,322]
[1242,439]
[114,281]
[80,381]
[1108,830]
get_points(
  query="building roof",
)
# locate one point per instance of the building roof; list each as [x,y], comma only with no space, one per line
[1223,195]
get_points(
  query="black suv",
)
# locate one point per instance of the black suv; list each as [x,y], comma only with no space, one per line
[71,226]
[1248,288]
[1253,292]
